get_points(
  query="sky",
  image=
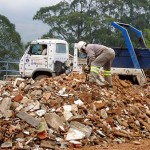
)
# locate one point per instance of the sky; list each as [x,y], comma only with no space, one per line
[21,12]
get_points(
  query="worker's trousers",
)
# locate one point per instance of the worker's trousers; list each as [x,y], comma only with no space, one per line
[104,60]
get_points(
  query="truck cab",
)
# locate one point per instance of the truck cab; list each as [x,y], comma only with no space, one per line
[44,58]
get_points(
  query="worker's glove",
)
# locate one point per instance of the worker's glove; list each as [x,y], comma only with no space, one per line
[87,69]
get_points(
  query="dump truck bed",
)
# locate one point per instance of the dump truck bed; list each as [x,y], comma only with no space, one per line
[123,58]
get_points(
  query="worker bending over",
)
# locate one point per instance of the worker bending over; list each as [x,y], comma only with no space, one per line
[98,56]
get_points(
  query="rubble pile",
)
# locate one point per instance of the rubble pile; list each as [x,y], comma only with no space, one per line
[66,111]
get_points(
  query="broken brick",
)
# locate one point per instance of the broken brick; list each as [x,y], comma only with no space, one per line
[18,98]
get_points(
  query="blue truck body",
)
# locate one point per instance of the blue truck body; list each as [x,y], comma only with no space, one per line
[130,57]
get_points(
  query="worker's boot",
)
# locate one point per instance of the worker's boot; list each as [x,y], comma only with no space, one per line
[108,79]
[102,80]
[94,78]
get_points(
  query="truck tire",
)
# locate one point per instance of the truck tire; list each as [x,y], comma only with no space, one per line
[39,77]
[59,68]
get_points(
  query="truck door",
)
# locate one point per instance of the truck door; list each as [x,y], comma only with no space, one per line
[35,58]
[61,52]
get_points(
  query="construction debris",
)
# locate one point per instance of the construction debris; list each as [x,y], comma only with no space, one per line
[66,111]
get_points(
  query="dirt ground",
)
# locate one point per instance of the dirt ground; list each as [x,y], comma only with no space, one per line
[142,145]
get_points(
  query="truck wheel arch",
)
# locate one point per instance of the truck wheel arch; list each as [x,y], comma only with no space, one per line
[42,72]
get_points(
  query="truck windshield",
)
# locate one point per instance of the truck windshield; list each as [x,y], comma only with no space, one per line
[60,48]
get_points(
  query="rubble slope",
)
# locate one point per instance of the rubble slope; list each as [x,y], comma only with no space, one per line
[66,111]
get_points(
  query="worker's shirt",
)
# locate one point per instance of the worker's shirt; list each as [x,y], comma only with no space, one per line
[94,50]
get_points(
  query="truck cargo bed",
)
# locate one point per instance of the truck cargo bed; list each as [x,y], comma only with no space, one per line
[123,58]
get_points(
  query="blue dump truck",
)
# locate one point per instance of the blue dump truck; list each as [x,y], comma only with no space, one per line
[129,61]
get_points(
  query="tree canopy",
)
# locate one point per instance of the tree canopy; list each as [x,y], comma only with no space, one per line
[11,48]
[10,41]
[90,20]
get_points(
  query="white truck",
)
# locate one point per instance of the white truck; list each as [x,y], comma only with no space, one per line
[36,65]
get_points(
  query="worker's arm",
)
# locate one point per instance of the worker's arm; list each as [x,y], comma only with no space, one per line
[91,57]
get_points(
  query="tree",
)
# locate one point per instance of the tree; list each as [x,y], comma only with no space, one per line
[134,12]
[147,37]
[11,48]
[73,21]
[10,41]
[90,20]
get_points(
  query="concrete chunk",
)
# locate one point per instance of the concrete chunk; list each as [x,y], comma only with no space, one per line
[5,105]
[6,145]
[48,144]
[81,127]
[54,120]
[104,114]
[67,115]
[74,134]
[29,119]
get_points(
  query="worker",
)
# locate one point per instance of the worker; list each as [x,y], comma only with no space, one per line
[98,56]
[44,49]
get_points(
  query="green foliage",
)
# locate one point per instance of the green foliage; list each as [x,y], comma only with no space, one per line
[11,48]
[147,37]
[90,20]
[10,41]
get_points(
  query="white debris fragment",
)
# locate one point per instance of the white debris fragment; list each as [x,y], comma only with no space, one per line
[101,133]
[67,115]
[26,132]
[18,79]
[78,102]
[62,91]
[74,134]
[40,112]
[67,108]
